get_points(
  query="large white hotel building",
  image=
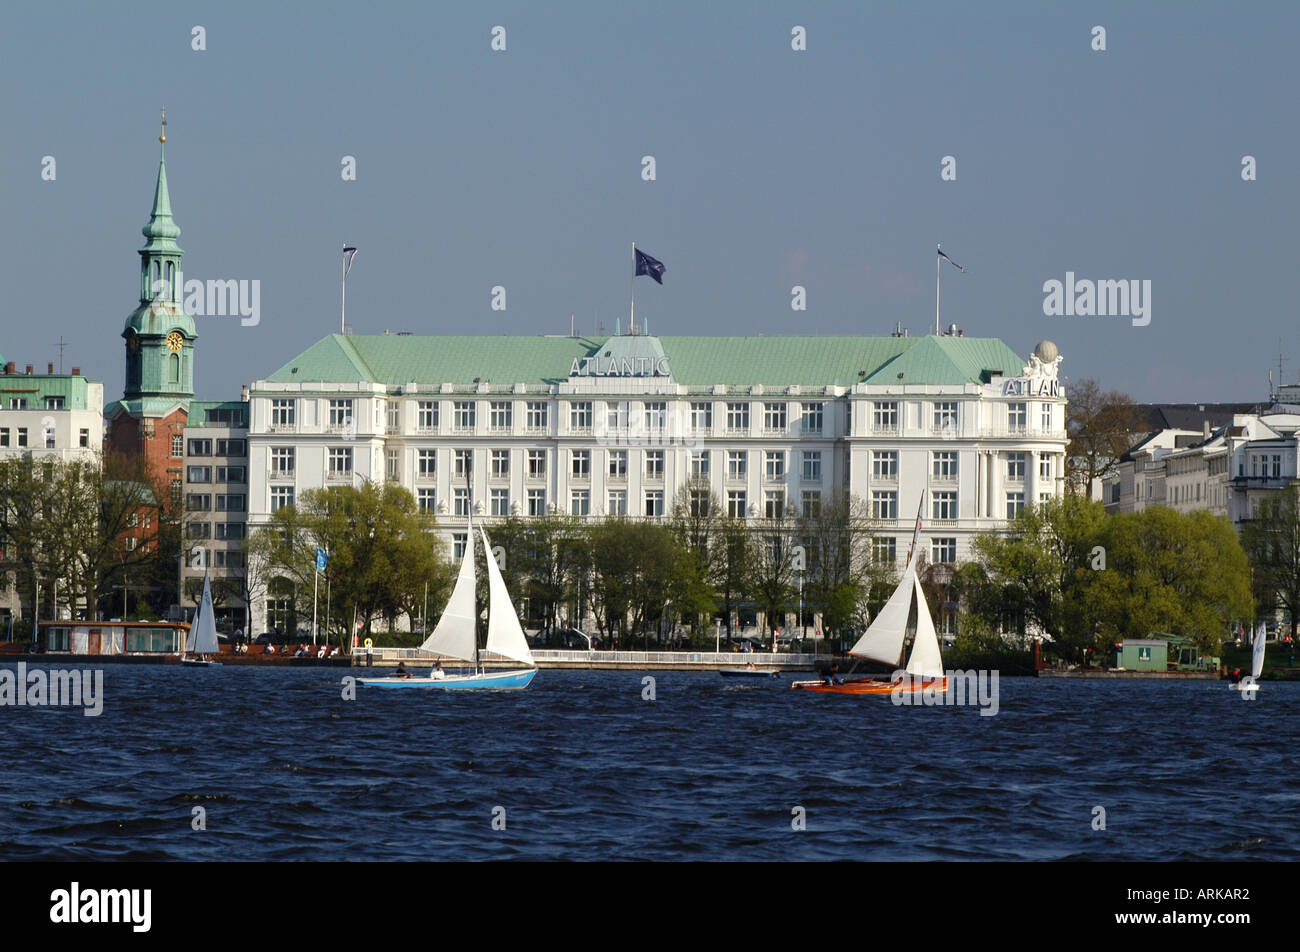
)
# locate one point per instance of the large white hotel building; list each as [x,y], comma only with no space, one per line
[963,425]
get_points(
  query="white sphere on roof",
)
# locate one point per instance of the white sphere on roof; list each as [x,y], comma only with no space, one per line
[1046,351]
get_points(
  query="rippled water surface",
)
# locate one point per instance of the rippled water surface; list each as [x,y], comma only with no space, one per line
[586,769]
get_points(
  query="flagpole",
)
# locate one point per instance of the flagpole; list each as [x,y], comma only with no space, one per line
[631,326]
[936,290]
[315,586]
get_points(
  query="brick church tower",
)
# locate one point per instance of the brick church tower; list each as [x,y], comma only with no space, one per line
[159,334]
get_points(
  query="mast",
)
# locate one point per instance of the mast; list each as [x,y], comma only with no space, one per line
[469,549]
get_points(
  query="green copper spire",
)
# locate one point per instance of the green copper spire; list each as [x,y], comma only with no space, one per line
[162,231]
[159,334]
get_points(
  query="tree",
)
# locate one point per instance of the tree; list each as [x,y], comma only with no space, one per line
[382,549]
[1272,543]
[1101,425]
[773,578]
[837,538]
[694,524]
[1184,573]
[1038,571]
[730,565]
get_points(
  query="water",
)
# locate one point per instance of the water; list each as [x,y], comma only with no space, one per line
[585,769]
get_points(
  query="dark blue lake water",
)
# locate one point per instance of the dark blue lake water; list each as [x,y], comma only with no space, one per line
[586,770]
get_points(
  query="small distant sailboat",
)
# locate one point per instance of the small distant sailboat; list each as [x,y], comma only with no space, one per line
[202,638]
[884,641]
[456,634]
[1256,663]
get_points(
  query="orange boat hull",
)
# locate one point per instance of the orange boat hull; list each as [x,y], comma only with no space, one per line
[873,686]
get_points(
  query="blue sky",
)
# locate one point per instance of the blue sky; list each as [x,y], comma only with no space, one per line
[774,168]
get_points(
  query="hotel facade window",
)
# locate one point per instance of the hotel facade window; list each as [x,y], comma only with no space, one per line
[1017,417]
[537,502]
[500,500]
[464,463]
[502,415]
[813,417]
[340,414]
[500,464]
[537,416]
[340,461]
[884,464]
[738,418]
[618,502]
[1015,504]
[654,503]
[426,416]
[774,465]
[462,415]
[701,417]
[945,466]
[426,499]
[426,464]
[618,464]
[944,505]
[536,464]
[699,462]
[885,416]
[580,502]
[812,466]
[884,550]
[581,464]
[943,550]
[736,504]
[812,503]
[884,504]
[654,464]
[737,461]
[1016,467]
[580,416]
[774,418]
[282,413]
[945,415]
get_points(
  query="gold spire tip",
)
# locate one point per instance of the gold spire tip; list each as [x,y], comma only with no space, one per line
[163,137]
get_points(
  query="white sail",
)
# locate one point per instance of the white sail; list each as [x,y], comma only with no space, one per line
[455,634]
[883,639]
[926,660]
[1257,654]
[203,630]
[505,636]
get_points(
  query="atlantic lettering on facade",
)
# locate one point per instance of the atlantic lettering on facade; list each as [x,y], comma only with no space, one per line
[620,367]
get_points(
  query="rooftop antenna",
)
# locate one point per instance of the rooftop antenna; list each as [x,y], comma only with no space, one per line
[61,345]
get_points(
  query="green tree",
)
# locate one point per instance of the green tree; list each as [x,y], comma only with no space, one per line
[1184,573]
[382,549]
[1039,570]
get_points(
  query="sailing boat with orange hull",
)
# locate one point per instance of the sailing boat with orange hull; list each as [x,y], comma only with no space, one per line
[884,641]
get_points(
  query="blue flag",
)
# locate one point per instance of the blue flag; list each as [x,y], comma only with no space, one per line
[321,558]
[648,265]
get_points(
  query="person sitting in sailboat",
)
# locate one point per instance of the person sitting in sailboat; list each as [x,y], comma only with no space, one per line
[437,673]
[401,671]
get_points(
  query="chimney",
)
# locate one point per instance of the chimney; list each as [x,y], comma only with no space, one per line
[29,370]
[76,371]
[9,367]
[1205,429]
[243,393]
[51,370]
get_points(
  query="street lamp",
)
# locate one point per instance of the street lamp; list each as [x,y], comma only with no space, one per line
[348,254]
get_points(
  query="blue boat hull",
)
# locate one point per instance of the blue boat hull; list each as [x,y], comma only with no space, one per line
[483,681]
[748,673]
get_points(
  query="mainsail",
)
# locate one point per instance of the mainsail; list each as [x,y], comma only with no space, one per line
[883,639]
[505,636]
[455,634]
[203,631]
[1257,654]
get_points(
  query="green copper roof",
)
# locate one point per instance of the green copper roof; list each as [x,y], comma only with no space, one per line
[162,231]
[394,360]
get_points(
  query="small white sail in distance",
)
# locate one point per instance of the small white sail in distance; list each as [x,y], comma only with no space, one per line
[1257,653]
[926,660]
[203,630]
[505,636]
[455,634]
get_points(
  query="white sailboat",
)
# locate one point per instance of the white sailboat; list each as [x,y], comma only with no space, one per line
[455,635]
[1256,663]
[202,637]
[884,639]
